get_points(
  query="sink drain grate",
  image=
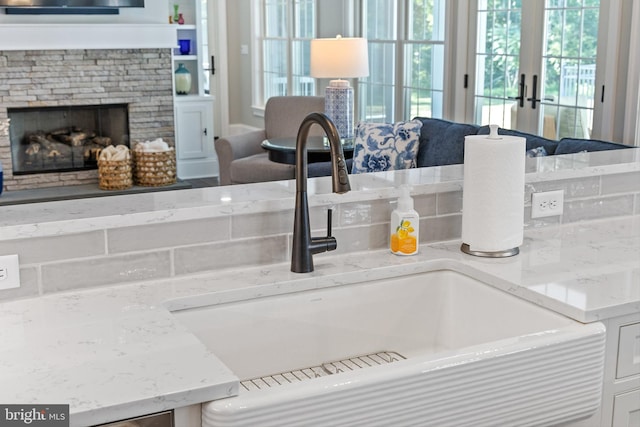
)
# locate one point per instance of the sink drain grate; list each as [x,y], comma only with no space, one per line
[327,368]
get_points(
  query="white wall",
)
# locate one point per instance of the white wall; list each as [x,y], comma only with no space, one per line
[239,65]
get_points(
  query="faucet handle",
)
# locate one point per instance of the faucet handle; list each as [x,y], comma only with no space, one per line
[332,244]
[326,243]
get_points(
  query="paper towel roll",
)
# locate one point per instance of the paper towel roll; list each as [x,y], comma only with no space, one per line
[493,193]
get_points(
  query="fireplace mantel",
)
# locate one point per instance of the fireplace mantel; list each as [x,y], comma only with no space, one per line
[86,36]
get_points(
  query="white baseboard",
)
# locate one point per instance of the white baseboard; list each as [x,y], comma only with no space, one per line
[198,168]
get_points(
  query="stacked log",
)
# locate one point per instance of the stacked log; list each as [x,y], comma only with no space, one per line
[65,145]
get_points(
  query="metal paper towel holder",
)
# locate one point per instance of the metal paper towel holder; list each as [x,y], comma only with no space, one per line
[497,254]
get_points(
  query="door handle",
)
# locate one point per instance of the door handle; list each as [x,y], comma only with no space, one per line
[205,131]
[520,96]
[534,99]
[212,66]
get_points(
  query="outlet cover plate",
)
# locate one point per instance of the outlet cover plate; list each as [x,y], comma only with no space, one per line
[9,272]
[548,203]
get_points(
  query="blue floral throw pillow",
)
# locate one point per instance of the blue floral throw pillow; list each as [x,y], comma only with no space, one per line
[383,147]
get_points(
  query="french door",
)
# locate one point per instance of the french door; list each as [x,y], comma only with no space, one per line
[214,53]
[535,65]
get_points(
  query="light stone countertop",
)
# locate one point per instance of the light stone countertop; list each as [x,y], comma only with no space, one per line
[115,352]
[61,217]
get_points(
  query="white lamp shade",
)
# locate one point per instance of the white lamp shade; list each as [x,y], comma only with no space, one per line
[340,57]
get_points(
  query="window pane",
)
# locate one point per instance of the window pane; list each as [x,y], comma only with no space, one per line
[497,61]
[381,63]
[275,20]
[569,66]
[377,93]
[304,15]
[376,103]
[275,68]
[590,33]
[572,31]
[421,102]
[302,83]
[574,122]
[426,20]
[289,25]
[274,85]
[423,79]
[483,22]
[380,19]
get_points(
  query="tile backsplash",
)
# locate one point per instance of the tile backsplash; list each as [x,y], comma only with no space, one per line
[110,255]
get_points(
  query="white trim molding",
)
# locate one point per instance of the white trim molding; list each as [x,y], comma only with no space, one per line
[86,36]
[632,106]
[223,58]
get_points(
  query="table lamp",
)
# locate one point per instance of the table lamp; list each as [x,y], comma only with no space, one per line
[339,58]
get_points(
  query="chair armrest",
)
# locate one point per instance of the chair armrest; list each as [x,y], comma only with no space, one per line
[230,148]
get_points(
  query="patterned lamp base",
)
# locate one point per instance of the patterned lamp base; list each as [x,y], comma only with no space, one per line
[338,106]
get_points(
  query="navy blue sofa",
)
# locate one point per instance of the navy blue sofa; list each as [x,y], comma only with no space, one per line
[442,142]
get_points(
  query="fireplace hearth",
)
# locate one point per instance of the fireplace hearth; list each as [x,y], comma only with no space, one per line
[64,139]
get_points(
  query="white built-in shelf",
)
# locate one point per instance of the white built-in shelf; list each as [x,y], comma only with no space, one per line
[179,58]
[193,97]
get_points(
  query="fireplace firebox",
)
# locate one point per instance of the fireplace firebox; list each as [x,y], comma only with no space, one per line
[62,139]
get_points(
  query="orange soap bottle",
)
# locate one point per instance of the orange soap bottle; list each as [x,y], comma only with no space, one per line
[405,226]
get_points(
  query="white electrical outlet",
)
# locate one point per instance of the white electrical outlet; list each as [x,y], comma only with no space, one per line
[548,203]
[9,272]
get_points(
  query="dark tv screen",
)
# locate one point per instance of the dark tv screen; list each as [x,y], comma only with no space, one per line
[67,7]
[71,3]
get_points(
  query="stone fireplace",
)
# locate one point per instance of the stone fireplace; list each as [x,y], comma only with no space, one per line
[104,83]
[64,139]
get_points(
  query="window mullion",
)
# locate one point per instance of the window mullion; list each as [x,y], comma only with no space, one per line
[258,51]
[290,40]
[401,38]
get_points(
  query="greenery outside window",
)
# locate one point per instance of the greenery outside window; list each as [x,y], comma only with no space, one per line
[511,54]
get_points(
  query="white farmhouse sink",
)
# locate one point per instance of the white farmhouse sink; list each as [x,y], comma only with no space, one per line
[468,354]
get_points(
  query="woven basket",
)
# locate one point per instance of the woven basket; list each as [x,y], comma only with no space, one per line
[154,169]
[114,174]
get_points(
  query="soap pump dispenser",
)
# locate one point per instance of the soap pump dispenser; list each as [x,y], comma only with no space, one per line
[405,225]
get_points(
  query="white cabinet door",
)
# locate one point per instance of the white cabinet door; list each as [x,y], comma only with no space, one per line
[194,125]
[194,139]
[626,409]
[629,351]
